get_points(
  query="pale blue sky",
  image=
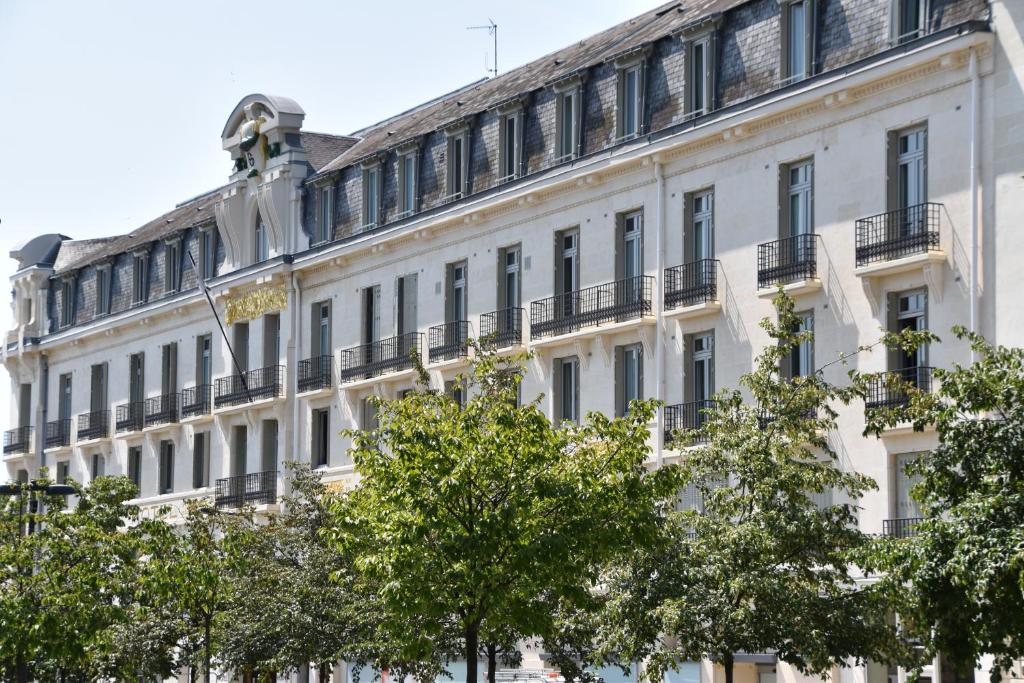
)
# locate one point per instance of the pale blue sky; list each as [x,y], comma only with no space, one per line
[112,111]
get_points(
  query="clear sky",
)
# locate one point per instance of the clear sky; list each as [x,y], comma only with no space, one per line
[111,112]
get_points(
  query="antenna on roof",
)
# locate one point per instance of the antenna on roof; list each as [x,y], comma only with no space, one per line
[492,29]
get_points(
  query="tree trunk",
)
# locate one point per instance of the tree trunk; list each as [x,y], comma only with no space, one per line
[206,650]
[492,662]
[472,651]
[727,663]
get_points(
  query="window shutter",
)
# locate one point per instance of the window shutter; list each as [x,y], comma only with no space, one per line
[559,265]
[556,390]
[640,372]
[689,249]
[710,61]
[449,292]
[173,367]
[314,331]
[711,369]
[620,104]
[892,325]
[784,42]
[641,96]
[376,312]
[927,326]
[784,229]
[924,186]
[620,381]
[620,246]
[810,32]
[688,77]
[501,278]
[688,394]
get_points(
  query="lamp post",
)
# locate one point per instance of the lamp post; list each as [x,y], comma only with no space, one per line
[35,489]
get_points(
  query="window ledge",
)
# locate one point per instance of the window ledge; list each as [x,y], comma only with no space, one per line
[399,376]
[251,405]
[808,286]
[694,310]
[591,332]
[901,265]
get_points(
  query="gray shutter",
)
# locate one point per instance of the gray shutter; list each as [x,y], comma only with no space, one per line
[173,367]
[620,102]
[641,105]
[927,326]
[784,41]
[640,372]
[559,106]
[268,456]
[501,278]
[892,143]
[620,381]
[314,331]
[449,293]
[810,31]
[784,201]
[556,390]
[688,242]
[688,79]
[710,62]
[558,264]
[711,370]
[620,246]
[688,394]
[376,312]
[924,186]
[892,325]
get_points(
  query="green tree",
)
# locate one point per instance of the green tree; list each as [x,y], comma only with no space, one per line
[467,517]
[762,561]
[961,577]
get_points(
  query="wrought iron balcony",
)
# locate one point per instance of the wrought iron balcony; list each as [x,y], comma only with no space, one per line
[161,410]
[255,488]
[894,389]
[690,415]
[691,283]
[787,260]
[17,440]
[611,302]
[253,385]
[316,373]
[58,433]
[195,401]
[503,328]
[898,234]
[94,425]
[448,341]
[128,417]
[903,527]
[381,357]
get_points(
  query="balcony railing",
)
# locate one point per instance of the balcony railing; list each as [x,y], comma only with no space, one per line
[691,415]
[161,410]
[897,234]
[58,433]
[448,341]
[128,417]
[253,385]
[504,328]
[691,283]
[894,389]
[316,373]
[17,440]
[787,260]
[94,425]
[393,354]
[903,527]
[255,488]
[195,400]
[608,303]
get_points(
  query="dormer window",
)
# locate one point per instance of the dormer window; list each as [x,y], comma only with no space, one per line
[102,289]
[140,278]
[262,241]
[909,20]
[325,223]
[408,180]
[568,100]
[172,266]
[630,100]
[67,301]
[373,186]
[457,176]
[510,141]
[208,253]
[797,40]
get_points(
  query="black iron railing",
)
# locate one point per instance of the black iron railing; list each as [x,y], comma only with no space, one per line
[787,260]
[316,373]
[94,425]
[896,234]
[255,488]
[690,415]
[380,357]
[608,303]
[128,417]
[503,328]
[17,440]
[58,433]
[903,527]
[691,283]
[448,341]
[254,385]
[161,410]
[894,389]
[196,400]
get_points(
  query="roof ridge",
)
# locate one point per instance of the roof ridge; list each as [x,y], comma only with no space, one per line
[421,105]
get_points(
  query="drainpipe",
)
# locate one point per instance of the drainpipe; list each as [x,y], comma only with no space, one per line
[44,399]
[975,214]
[294,344]
[659,336]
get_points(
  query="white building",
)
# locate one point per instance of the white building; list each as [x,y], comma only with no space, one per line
[622,208]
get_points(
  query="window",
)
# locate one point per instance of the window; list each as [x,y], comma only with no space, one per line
[135,466]
[567,390]
[239,450]
[904,506]
[509,278]
[567,270]
[240,346]
[63,471]
[909,19]
[320,339]
[321,433]
[262,241]
[97,390]
[797,61]
[98,466]
[67,301]
[510,145]
[208,253]
[797,202]
[102,290]
[64,398]
[629,371]
[629,102]
[456,300]
[629,246]
[700,366]
[368,415]
[408,163]
[908,311]
[169,370]
[699,237]
[268,450]
[172,266]
[371,314]
[406,290]
[372,186]
[457,177]
[456,391]
[907,179]
[166,467]
[325,225]
[140,278]
[271,340]
[204,360]
[800,362]
[567,121]
[136,377]
[700,74]
[201,460]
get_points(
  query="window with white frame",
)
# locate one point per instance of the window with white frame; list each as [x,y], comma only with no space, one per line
[800,361]
[166,466]
[567,390]
[510,142]
[700,75]
[798,206]
[321,437]
[325,224]
[408,164]
[102,289]
[909,20]
[629,372]
[457,164]
[372,190]
[201,460]
[797,43]
[67,301]
[630,111]
[261,241]
[568,113]
[208,253]
[172,266]
[140,278]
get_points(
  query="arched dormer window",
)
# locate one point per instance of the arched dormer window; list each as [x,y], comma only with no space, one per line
[262,240]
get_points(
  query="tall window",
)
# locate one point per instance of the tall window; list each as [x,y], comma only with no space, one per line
[321,432]
[510,155]
[702,226]
[904,505]
[457,176]
[368,416]
[407,165]
[201,460]
[907,152]
[797,40]
[800,362]
[629,364]
[371,196]
[325,224]
[166,466]
[98,468]
[567,269]
[64,398]
[208,253]
[67,301]
[268,445]
[630,84]
[102,290]
[407,303]
[799,207]
[140,278]
[371,314]
[321,339]
[456,305]
[699,76]
[262,240]
[567,123]
[204,360]
[172,266]
[908,311]
[702,366]
[509,277]
[910,20]
[135,466]
[567,390]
